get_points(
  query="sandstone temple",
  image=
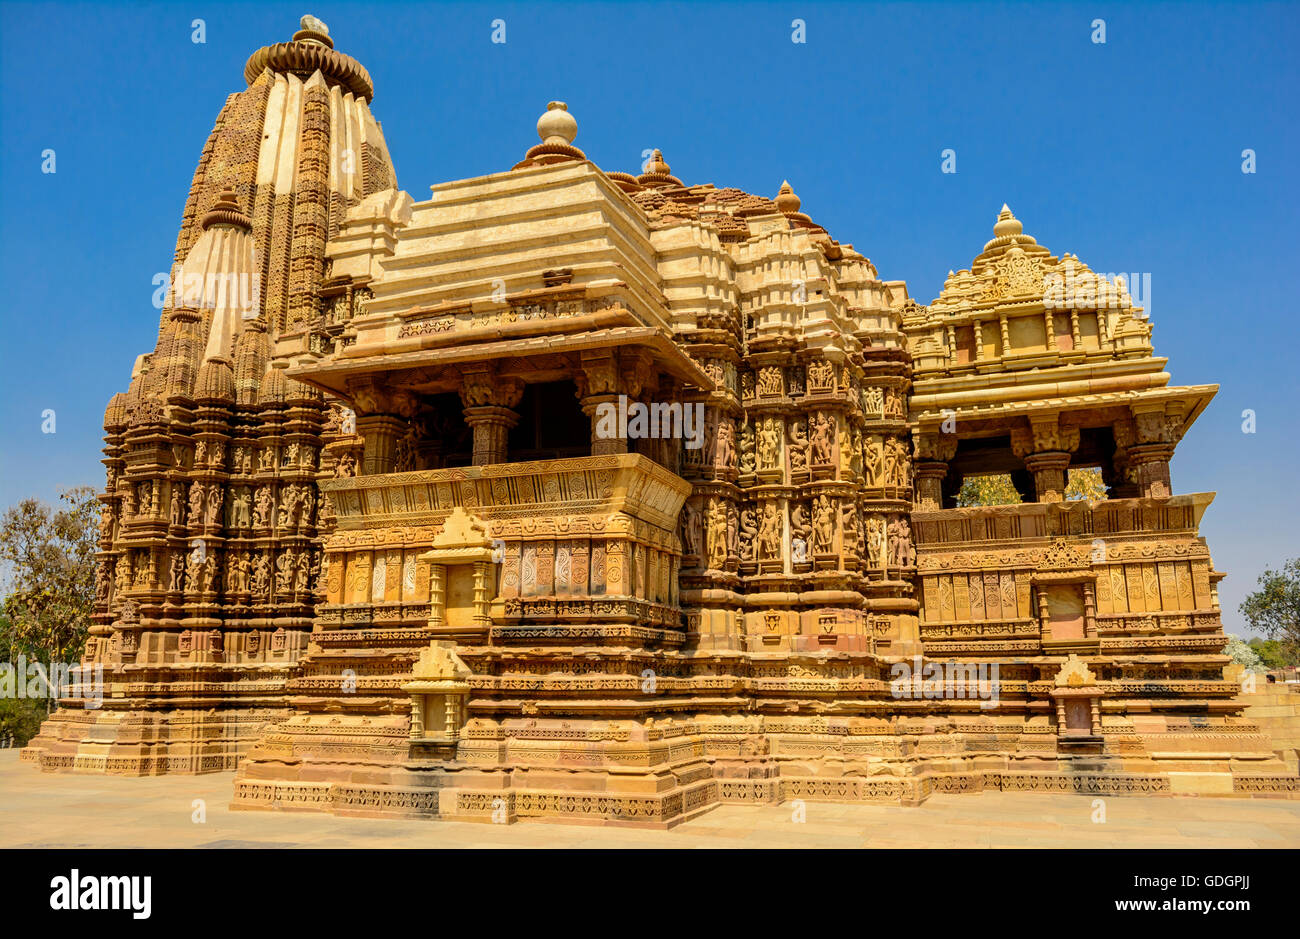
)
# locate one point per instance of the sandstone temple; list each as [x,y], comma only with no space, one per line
[371,537]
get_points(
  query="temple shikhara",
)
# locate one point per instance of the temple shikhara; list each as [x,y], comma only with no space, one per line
[369,541]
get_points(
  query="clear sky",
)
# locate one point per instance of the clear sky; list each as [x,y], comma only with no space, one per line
[1127,153]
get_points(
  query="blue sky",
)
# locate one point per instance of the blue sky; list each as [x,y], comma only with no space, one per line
[1127,153]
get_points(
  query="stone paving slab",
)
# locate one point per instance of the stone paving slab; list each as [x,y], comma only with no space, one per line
[47,810]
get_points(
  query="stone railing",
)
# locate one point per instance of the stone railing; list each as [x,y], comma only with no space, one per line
[603,526]
[1137,566]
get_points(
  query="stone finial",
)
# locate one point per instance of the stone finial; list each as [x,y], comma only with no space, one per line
[1007,224]
[787,203]
[1008,237]
[657,165]
[557,126]
[658,174]
[226,211]
[313,30]
[786,200]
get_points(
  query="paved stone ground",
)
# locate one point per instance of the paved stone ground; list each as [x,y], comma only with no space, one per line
[46,810]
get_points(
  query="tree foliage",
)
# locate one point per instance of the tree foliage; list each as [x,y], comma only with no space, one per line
[999,490]
[987,490]
[1241,653]
[1085,484]
[20,720]
[1274,609]
[49,556]
[1273,654]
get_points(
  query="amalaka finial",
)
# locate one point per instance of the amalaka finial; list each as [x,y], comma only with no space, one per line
[313,30]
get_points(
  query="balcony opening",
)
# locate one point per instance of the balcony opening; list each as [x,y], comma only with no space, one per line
[551,424]
[448,441]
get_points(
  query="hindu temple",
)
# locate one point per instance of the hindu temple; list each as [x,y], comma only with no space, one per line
[575,494]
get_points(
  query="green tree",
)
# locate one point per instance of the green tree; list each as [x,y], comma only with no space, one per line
[1085,483]
[1274,609]
[20,716]
[998,489]
[20,720]
[987,490]
[49,555]
[1272,653]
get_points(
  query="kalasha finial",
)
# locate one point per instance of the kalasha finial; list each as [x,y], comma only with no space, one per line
[786,201]
[557,126]
[657,165]
[313,30]
[1007,224]
[658,174]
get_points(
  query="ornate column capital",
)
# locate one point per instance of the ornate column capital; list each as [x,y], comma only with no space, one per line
[1051,433]
[598,374]
[1046,443]
[375,397]
[488,398]
[1158,422]
[934,445]
[482,386]
[1157,426]
[636,372]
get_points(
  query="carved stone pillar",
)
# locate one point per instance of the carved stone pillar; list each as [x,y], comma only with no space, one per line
[606,377]
[1158,428]
[1121,479]
[488,399]
[437,595]
[929,486]
[606,435]
[933,451]
[1090,609]
[380,433]
[1046,445]
[382,417]
[1151,463]
[1048,470]
[491,429]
